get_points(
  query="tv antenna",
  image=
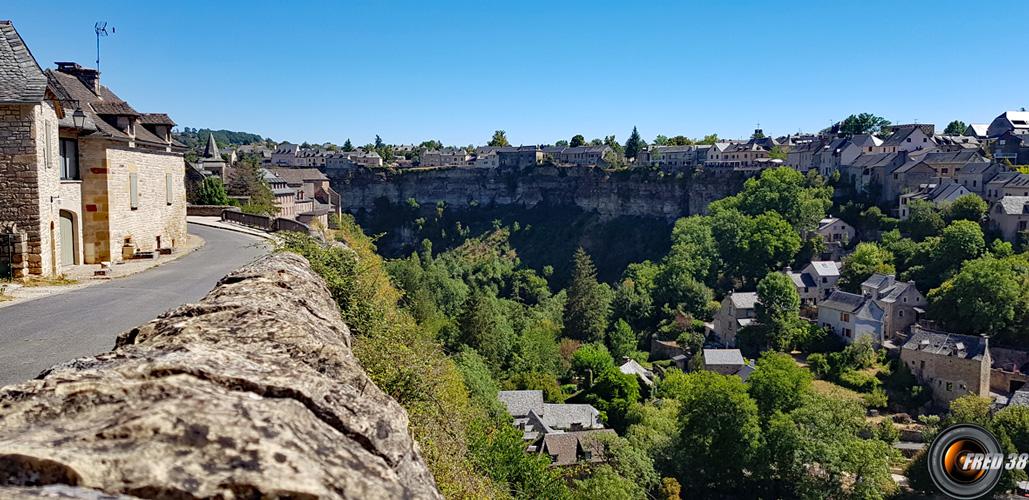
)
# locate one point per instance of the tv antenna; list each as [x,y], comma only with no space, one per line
[101,30]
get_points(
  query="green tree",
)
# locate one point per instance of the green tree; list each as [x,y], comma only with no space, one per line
[864,123]
[577,140]
[956,127]
[212,192]
[709,139]
[248,179]
[987,296]
[868,258]
[621,340]
[348,146]
[634,300]
[634,145]
[778,313]
[719,433]
[750,247]
[588,305]
[784,191]
[661,140]
[499,139]
[614,394]
[590,361]
[484,328]
[968,207]
[923,220]
[778,384]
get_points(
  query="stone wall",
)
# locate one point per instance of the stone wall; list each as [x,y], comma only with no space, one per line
[965,376]
[108,217]
[626,193]
[252,392]
[30,181]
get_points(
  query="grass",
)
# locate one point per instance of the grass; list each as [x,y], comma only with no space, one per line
[827,388]
[37,281]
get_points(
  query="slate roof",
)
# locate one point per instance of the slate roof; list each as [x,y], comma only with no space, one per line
[878,280]
[744,300]
[979,129]
[801,280]
[211,150]
[826,267]
[567,416]
[21,78]
[1020,398]
[519,403]
[944,343]
[631,367]
[728,357]
[564,447]
[865,160]
[1014,205]
[934,192]
[843,301]
[299,175]
[156,119]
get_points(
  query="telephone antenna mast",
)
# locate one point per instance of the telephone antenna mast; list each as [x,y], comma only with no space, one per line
[101,30]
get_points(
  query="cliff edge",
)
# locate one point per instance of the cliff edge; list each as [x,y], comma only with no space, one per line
[252,392]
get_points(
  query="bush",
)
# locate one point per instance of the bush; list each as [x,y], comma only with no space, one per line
[859,381]
[876,399]
[887,432]
[819,364]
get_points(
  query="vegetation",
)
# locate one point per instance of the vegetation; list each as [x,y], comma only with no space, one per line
[247,181]
[211,191]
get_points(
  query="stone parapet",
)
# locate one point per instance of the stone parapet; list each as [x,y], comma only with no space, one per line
[251,392]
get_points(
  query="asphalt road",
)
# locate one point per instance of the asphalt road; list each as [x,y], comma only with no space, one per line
[40,333]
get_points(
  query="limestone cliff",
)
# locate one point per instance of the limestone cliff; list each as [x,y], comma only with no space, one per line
[609,194]
[252,392]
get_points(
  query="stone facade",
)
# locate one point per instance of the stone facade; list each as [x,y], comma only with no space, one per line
[30,183]
[950,365]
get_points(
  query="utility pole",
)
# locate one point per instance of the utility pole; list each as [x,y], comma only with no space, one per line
[101,30]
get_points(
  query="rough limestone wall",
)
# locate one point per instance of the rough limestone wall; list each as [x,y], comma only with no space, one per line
[252,392]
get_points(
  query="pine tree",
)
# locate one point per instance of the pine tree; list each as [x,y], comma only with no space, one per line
[348,146]
[634,145]
[499,139]
[589,302]
[247,179]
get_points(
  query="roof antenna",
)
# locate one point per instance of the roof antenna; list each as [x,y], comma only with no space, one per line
[101,30]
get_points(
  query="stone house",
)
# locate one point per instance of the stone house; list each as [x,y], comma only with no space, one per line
[977,130]
[901,301]
[851,317]
[953,142]
[519,157]
[816,281]
[1012,146]
[1006,183]
[1009,121]
[975,176]
[444,157]
[486,157]
[836,234]
[211,161]
[353,159]
[583,156]
[736,312]
[804,155]
[725,362]
[573,448]
[939,195]
[285,155]
[285,197]
[670,158]
[536,418]
[950,365]
[81,171]
[311,188]
[909,138]
[1010,216]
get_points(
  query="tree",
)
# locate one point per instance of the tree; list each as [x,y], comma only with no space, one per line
[778,313]
[749,247]
[968,207]
[614,393]
[719,433]
[621,340]
[248,180]
[577,140]
[778,384]
[784,191]
[987,296]
[612,143]
[923,220]
[378,142]
[484,328]
[709,139]
[212,192]
[563,143]
[589,302]
[661,140]
[864,123]
[679,140]
[348,146]
[867,259]
[634,145]
[499,139]
[590,361]
[956,127]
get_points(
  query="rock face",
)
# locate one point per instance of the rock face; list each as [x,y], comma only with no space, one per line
[252,392]
[626,193]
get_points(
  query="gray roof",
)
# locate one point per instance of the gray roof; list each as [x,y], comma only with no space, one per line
[723,357]
[878,280]
[744,300]
[631,367]
[801,280]
[1014,205]
[826,267]
[1020,398]
[519,403]
[21,78]
[298,175]
[211,150]
[944,344]
[568,416]
[843,301]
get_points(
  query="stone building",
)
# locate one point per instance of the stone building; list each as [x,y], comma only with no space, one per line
[736,312]
[950,365]
[81,172]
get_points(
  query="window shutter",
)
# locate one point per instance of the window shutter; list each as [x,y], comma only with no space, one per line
[133,191]
[168,189]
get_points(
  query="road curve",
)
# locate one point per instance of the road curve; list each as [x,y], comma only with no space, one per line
[37,334]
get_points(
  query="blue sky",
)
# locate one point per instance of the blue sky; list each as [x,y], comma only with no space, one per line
[542,71]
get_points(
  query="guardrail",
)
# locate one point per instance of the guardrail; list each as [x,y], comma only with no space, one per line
[266,223]
[206,210]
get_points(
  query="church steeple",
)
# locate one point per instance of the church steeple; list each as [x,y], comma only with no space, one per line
[211,151]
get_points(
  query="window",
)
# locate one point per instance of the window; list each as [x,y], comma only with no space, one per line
[847,332]
[950,386]
[133,191]
[844,316]
[901,313]
[69,159]
[168,186]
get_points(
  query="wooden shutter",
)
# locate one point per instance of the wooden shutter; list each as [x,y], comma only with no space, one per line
[168,189]
[133,191]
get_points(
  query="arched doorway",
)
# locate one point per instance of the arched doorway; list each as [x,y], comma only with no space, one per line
[69,240]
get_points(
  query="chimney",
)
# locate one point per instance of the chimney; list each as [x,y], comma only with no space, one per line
[88,76]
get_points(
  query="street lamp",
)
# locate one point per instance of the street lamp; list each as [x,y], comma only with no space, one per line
[78,118]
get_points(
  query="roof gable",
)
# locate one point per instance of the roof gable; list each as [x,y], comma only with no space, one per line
[21,78]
